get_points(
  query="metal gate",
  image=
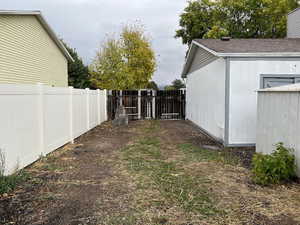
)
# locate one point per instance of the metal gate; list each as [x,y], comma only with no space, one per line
[148,104]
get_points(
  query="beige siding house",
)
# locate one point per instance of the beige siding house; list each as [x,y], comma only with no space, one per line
[30,52]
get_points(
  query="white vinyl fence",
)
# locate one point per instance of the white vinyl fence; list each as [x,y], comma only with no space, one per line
[278,119]
[36,119]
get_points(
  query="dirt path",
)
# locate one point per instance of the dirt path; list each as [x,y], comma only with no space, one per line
[151,172]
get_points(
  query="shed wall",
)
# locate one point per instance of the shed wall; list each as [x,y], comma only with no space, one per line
[28,55]
[293,26]
[278,120]
[244,81]
[206,98]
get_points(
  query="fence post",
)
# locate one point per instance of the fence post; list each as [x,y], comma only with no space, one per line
[121,98]
[87,93]
[153,103]
[105,104]
[139,104]
[71,114]
[98,107]
[41,118]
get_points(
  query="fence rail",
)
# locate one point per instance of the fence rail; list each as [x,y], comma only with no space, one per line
[37,119]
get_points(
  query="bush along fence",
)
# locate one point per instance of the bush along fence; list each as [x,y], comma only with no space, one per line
[37,119]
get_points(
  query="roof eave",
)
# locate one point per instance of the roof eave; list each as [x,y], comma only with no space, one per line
[206,48]
[190,55]
[293,11]
[234,55]
[187,62]
[20,12]
[54,37]
[261,54]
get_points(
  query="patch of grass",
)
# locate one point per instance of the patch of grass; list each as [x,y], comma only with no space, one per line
[128,219]
[51,167]
[196,154]
[160,220]
[49,196]
[189,192]
[152,127]
[9,183]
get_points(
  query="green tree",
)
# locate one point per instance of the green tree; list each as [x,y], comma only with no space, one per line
[177,84]
[108,68]
[169,88]
[235,18]
[216,32]
[196,20]
[152,85]
[124,63]
[78,73]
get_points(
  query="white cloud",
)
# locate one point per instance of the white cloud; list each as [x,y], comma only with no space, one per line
[84,23]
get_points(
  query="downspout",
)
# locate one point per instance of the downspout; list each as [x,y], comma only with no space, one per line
[227,100]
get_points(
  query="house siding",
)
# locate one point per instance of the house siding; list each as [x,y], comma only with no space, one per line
[28,55]
[293,27]
[206,98]
[245,78]
[201,58]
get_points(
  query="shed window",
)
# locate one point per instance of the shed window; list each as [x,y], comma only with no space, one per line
[278,80]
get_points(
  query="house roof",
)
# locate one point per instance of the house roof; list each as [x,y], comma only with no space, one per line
[288,47]
[44,23]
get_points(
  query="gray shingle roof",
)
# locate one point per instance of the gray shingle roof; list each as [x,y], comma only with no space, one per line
[252,45]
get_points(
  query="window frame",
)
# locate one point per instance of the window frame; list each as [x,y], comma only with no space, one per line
[296,78]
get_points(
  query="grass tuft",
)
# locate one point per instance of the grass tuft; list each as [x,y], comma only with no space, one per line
[196,154]
[152,127]
[192,194]
[9,183]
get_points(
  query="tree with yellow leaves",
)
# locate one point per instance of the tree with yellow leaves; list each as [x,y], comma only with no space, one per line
[124,63]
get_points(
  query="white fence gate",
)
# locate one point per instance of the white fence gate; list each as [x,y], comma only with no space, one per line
[36,119]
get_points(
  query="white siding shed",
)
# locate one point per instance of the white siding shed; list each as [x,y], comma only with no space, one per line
[221,89]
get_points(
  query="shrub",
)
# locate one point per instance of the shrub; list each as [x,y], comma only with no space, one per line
[275,168]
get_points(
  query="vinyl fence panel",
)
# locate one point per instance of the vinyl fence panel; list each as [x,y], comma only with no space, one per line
[79,112]
[93,109]
[36,119]
[56,112]
[278,119]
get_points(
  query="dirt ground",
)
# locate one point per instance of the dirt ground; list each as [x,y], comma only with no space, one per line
[150,172]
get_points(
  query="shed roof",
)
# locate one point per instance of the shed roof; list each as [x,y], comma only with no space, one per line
[262,48]
[252,45]
[45,25]
[294,10]
[285,88]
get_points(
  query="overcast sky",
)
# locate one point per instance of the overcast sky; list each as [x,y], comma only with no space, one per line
[84,23]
